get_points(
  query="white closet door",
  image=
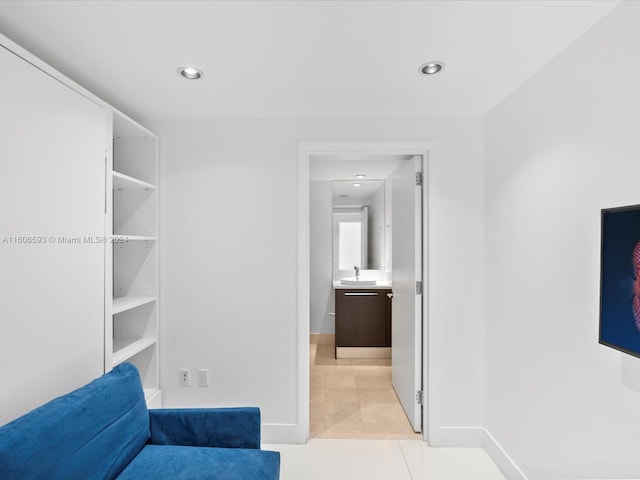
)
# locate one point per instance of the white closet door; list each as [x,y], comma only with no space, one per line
[52,199]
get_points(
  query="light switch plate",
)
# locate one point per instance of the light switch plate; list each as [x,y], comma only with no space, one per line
[203,377]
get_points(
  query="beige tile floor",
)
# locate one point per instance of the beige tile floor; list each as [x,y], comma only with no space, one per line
[353,398]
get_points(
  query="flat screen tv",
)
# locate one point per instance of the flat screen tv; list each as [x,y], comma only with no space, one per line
[620,279]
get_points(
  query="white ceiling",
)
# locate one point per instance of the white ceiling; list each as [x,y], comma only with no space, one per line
[366,189]
[299,58]
[343,167]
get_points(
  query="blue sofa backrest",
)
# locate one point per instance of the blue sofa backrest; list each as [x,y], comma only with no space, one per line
[90,433]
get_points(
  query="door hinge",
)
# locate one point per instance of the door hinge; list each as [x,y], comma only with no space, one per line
[419,179]
[419,287]
[420,397]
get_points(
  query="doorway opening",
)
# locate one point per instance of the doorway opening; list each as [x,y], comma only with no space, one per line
[362,396]
[353,397]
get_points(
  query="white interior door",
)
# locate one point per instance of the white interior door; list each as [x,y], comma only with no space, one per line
[406,245]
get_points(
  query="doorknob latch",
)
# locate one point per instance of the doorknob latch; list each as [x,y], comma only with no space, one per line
[390,295]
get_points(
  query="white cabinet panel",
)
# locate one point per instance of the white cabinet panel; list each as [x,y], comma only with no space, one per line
[52,219]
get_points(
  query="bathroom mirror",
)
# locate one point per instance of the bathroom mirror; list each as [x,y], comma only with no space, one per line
[358,225]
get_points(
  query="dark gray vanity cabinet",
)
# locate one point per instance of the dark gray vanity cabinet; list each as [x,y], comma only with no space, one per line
[363,317]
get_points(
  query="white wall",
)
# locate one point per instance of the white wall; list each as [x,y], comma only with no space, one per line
[228,261]
[321,294]
[376,230]
[558,150]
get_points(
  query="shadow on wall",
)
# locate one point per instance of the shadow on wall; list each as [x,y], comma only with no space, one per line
[630,372]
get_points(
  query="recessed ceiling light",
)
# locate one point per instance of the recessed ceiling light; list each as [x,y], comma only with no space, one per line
[190,73]
[357,184]
[360,176]
[431,68]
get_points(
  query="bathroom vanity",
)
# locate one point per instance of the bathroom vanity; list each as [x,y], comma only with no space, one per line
[363,321]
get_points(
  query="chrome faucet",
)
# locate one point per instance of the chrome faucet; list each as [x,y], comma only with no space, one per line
[357,269]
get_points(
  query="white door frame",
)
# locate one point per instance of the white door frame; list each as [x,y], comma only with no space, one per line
[305,150]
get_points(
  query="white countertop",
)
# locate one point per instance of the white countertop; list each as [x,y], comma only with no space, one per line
[379,284]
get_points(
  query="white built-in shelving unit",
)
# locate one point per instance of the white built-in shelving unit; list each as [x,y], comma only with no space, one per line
[132,317]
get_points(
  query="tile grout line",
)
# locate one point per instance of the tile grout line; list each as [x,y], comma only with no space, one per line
[404,457]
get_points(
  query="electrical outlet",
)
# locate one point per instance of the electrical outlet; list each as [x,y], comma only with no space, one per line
[184,377]
[203,377]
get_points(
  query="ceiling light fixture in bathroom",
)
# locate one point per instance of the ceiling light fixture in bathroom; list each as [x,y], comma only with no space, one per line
[357,184]
[360,176]
[190,73]
[431,68]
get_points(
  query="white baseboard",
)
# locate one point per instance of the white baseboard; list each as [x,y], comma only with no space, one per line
[286,433]
[502,459]
[477,437]
[363,352]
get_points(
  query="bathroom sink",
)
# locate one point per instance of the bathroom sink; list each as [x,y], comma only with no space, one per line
[357,281]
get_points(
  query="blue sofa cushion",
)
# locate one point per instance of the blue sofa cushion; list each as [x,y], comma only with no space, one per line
[90,433]
[206,427]
[169,462]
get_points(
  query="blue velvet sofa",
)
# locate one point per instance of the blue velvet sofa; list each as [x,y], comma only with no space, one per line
[104,431]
